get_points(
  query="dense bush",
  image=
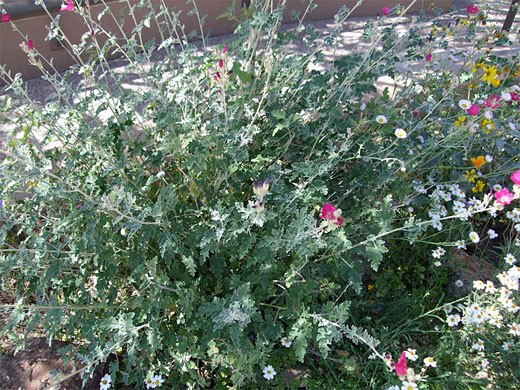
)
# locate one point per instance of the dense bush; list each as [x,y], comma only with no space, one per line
[233,206]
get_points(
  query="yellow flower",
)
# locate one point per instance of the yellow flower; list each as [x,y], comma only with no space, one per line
[470,175]
[489,74]
[434,30]
[478,65]
[487,125]
[460,121]
[31,184]
[494,82]
[479,186]
[479,161]
[370,287]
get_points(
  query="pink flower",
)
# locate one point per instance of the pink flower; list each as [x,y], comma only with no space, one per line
[516,177]
[514,96]
[428,57]
[30,45]
[220,63]
[401,367]
[5,18]
[329,213]
[68,6]
[492,101]
[474,110]
[472,9]
[504,196]
[386,10]
[224,50]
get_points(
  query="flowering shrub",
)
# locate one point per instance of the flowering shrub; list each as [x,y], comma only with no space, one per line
[217,226]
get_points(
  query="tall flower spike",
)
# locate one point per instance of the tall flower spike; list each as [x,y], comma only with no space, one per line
[401,367]
[261,188]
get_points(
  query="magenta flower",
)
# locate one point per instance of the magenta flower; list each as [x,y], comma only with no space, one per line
[68,6]
[474,110]
[224,50]
[504,196]
[329,212]
[492,101]
[401,367]
[514,96]
[386,10]
[472,9]
[5,18]
[516,177]
[428,57]
[220,63]
[30,45]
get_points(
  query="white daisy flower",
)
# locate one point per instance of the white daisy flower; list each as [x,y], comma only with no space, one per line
[507,345]
[479,345]
[269,372]
[464,104]
[430,362]
[497,187]
[479,285]
[461,244]
[510,259]
[400,133]
[453,320]
[459,283]
[105,382]
[474,237]
[381,119]
[492,234]
[411,354]
[286,342]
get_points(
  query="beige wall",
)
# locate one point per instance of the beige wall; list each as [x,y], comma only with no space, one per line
[72,24]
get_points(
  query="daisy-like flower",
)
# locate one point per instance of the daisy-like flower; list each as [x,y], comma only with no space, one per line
[124,231]
[492,234]
[400,133]
[453,320]
[514,329]
[269,372]
[460,244]
[105,382]
[157,381]
[448,307]
[381,119]
[149,382]
[437,224]
[490,287]
[517,242]
[510,259]
[507,345]
[497,187]
[411,354]
[430,362]
[437,263]
[515,177]
[479,345]
[464,104]
[473,236]
[459,283]
[408,385]
[479,285]
[286,342]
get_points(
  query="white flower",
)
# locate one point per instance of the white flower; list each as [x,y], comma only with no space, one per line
[149,383]
[506,96]
[411,354]
[124,231]
[497,187]
[492,234]
[269,372]
[157,381]
[489,158]
[479,345]
[400,133]
[461,244]
[286,342]
[510,259]
[512,126]
[363,106]
[438,253]
[437,263]
[105,383]
[514,329]
[490,287]
[517,242]
[479,285]
[507,345]
[408,385]
[430,362]
[160,174]
[474,237]
[453,320]
[464,104]
[459,283]
[448,307]
[381,119]
[488,114]
[394,387]
[437,224]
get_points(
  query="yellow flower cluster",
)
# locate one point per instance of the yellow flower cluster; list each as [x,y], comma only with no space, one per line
[490,73]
